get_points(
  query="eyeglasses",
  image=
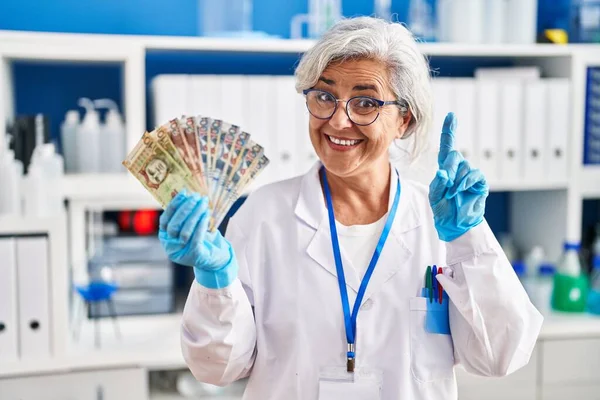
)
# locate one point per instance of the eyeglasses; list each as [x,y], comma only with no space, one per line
[361,110]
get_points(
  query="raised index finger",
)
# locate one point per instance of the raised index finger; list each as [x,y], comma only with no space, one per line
[447,138]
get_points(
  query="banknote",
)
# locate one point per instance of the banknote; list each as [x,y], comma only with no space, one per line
[229,134]
[187,126]
[156,170]
[257,167]
[202,132]
[237,151]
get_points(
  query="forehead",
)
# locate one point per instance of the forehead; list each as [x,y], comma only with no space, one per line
[355,71]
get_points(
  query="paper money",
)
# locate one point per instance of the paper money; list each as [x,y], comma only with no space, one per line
[214,158]
[156,170]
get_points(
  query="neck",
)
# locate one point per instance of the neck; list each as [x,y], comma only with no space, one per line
[361,199]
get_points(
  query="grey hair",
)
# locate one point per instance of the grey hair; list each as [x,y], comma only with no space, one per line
[389,42]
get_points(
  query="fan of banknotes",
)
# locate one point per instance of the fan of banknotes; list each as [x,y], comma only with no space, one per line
[201,154]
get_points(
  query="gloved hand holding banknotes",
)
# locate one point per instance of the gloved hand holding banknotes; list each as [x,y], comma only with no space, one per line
[196,168]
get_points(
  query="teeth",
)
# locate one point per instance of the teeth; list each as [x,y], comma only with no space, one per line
[343,142]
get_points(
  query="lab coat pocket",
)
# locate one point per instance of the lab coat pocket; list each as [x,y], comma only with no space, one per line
[431,354]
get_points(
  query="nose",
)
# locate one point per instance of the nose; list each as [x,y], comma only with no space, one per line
[339,120]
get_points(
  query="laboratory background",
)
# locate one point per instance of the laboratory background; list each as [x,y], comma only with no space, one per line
[90,306]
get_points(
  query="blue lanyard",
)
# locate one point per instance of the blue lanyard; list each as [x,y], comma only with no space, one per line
[350,319]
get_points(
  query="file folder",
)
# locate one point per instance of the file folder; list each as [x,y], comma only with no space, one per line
[8,300]
[511,129]
[558,109]
[535,120]
[488,128]
[464,109]
[33,296]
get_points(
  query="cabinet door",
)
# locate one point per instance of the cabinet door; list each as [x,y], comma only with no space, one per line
[117,384]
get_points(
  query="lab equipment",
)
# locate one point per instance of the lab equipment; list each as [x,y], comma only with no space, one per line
[494,21]
[112,137]
[543,288]
[88,139]
[25,133]
[94,295]
[225,17]
[383,9]
[322,15]
[69,138]
[422,19]
[184,235]
[570,288]
[11,171]
[521,17]
[456,184]
[593,301]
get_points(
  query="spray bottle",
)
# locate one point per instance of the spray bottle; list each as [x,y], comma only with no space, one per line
[570,284]
[112,138]
[88,138]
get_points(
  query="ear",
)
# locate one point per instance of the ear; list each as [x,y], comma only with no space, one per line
[403,122]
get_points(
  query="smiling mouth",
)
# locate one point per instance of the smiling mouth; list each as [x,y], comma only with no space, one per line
[344,142]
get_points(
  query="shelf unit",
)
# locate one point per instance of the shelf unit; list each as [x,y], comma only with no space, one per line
[555,207]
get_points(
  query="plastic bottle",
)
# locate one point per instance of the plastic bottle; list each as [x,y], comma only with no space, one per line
[422,20]
[570,285]
[43,195]
[543,288]
[68,134]
[88,139]
[383,9]
[593,301]
[11,172]
[112,138]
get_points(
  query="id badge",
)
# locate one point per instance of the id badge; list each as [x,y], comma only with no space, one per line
[336,383]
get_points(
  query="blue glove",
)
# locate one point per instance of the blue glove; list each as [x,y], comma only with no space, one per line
[458,192]
[183,233]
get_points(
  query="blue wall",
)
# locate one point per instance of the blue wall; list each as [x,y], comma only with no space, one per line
[153,17]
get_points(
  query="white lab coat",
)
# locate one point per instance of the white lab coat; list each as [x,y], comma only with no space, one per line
[287,274]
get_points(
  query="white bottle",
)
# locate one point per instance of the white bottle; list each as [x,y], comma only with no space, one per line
[495,23]
[112,138]
[35,189]
[10,182]
[521,17]
[88,139]
[53,167]
[68,133]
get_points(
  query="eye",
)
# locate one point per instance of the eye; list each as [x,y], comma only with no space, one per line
[364,105]
[324,97]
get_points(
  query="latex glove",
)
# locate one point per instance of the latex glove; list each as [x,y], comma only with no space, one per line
[183,233]
[458,192]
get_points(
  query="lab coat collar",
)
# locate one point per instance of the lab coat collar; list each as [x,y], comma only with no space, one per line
[311,209]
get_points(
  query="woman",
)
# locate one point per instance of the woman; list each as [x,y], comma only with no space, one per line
[275,301]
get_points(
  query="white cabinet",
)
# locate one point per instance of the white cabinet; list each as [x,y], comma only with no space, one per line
[520,385]
[114,384]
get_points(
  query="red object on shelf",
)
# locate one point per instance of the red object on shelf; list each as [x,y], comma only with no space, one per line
[125,218]
[145,222]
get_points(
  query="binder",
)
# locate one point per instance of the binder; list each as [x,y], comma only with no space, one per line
[206,97]
[464,109]
[33,296]
[533,154]
[170,97]
[511,129]
[9,333]
[285,134]
[258,94]
[232,99]
[487,122]
[442,105]
[556,163]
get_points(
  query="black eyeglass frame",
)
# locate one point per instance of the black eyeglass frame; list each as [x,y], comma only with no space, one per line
[380,103]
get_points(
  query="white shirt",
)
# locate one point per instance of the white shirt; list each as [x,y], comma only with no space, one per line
[281,322]
[359,242]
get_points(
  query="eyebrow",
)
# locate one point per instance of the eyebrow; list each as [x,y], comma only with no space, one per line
[331,82]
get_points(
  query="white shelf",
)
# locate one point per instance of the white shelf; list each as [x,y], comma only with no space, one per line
[150,342]
[104,43]
[519,186]
[21,225]
[590,182]
[107,190]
